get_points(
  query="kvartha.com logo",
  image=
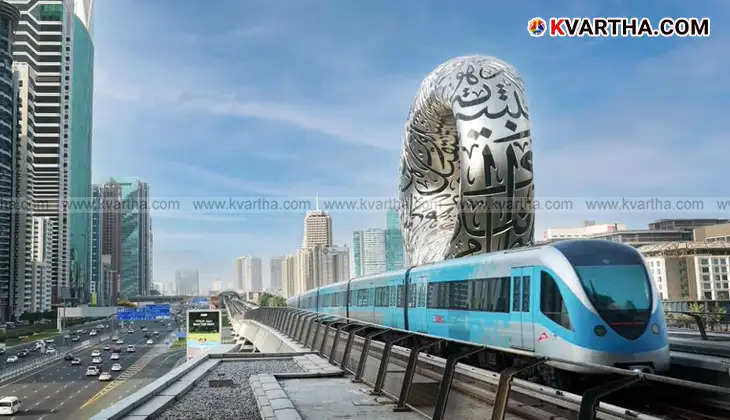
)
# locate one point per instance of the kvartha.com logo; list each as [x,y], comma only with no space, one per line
[536,26]
[618,27]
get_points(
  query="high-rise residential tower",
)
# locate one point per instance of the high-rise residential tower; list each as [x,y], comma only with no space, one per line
[275,273]
[317,229]
[43,41]
[9,16]
[248,274]
[96,282]
[187,283]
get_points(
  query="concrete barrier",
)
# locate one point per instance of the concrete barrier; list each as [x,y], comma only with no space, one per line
[267,340]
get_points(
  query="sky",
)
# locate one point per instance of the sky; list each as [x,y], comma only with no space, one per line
[206,100]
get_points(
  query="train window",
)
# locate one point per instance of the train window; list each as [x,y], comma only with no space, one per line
[516,294]
[491,295]
[421,301]
[381,296]
[401,290]
[393,295]
[362,297]
[551,301]
[449,295]
[525,294]
[412,294]
[352,298]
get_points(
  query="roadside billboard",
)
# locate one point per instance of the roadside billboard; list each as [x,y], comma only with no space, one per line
[203,331]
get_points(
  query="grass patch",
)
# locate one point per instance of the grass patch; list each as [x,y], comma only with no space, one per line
[180,343]
[31,337]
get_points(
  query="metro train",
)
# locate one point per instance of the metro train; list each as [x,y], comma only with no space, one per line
[579,300]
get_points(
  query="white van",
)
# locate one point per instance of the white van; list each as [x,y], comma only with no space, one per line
[9,406]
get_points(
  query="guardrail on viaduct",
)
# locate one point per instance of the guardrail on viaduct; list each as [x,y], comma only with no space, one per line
[312,329]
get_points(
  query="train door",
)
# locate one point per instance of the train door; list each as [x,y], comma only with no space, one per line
[417,314]
[522,287]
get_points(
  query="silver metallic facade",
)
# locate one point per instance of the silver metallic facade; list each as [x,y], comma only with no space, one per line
[466,167]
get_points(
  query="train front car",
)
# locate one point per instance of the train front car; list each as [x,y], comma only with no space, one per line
[615,313]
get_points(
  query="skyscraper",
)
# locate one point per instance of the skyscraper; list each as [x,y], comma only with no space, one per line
[134,235]
[394,248]
[336,264]
[96,286]
[82,83]
[356,253]
[8,20]
[289,273]
[111,196]
[187,283]
[40,285]
[275,272]
[127,234]
[317,229]
[370,248]
[43,41]
[248,272]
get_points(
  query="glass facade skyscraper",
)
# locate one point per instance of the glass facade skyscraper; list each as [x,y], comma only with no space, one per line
[81,123]
[135,258]
[393,242]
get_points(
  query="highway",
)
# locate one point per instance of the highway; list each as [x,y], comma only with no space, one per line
[59,342]
[63,391]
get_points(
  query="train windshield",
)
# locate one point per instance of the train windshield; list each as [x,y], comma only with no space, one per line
[615,280]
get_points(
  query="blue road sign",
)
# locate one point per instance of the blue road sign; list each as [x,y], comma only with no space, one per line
[146,313]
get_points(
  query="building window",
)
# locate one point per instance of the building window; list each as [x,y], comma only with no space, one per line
[704,261]
[705,269]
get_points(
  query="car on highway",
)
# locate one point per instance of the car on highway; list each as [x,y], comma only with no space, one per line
[116,349]
[66,337]
[75,361]
[22,353]
[144,329]
[50,341]
[116,367]
[82,331]
[92,371]
[95,353]
[149,341]
[2,350]
[130,331]
[120,341]
[156,333]
[68,356]
[115,356]
[115,338]
[105,376]
[75,338]
[9,406]
[97,360]
[11,359]
[107,347]
[50,350]
[131,348]
[92,333]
